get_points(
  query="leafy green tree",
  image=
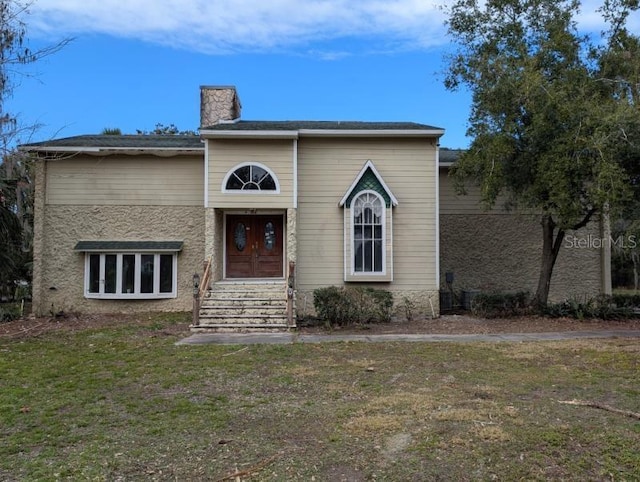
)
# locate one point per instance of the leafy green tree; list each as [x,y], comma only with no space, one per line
[553,115]
[111,131]
[16,199]
[166,130]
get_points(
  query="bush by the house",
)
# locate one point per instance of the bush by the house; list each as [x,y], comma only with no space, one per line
[626,300]
[349,305]
[9,311]
[500,305]
[601,307]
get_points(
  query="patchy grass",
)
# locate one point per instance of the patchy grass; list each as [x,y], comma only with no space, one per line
[125,403]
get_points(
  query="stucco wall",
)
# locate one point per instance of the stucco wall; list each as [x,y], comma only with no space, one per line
[503,253]
[61,269]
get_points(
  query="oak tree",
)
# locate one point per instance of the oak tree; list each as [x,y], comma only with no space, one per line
[554,115]
[15,169]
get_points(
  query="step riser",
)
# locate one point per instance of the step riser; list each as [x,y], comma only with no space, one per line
[240,329]
[245,302]
[261,322]
[242,307]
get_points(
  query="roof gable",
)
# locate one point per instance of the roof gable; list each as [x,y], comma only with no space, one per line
[369,179]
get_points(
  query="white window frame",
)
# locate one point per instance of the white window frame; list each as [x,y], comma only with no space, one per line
[352,239]
[136,295]
[250,192]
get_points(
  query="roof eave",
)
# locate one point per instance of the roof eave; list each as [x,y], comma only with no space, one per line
[105,151]
[372,132]
[248,134]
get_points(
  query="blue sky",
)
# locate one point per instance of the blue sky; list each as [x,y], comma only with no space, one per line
[137,63]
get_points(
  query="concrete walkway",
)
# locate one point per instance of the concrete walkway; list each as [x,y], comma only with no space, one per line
[290,338]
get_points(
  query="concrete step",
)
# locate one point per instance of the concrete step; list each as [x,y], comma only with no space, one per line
[240,328]
[244,306]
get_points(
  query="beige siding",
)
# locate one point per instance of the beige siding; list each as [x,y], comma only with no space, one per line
[276,154]
[130,181]
[327,168]
[470,203]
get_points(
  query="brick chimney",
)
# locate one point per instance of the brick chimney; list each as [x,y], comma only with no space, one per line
[217,104]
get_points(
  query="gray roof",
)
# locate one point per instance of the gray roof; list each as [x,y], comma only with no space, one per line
[178,142]
[157,246]
[449,156]
[316,125]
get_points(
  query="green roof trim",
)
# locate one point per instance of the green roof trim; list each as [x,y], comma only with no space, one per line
[369,179]
[369,182]
[131,246]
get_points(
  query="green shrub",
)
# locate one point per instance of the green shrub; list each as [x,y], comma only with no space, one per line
[349,305]
[626,300]
[9,312]
[600,307]
[500,305]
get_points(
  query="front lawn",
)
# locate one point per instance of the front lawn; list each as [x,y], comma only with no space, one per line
[125,403]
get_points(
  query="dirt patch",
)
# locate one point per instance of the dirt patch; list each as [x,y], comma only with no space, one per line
[464,324]
[159,324]
[156,323]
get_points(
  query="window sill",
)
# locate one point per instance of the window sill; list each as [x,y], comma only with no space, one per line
[141,296]
[369,278]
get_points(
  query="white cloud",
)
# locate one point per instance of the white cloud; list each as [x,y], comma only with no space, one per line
[222,26]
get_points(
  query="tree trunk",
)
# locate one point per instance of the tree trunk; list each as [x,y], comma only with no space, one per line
[552,242]
[634,260]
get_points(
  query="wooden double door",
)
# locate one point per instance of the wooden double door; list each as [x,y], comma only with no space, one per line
[254,246]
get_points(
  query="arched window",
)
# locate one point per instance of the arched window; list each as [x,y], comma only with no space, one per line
[251,177]
[368,227]
[368,221]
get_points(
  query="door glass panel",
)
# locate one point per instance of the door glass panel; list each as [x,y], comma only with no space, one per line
[240,237]
[110,273]
[128,273]
[146,273]
[269,236]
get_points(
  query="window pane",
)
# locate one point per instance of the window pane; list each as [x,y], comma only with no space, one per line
[146,273]
[94,273]
[377,256]
[358,260]
[257,173]
[377,232]
[368,256]
[368,232]
[368,215]
[357,232]
[268,184]
[166,273]
[234,182]
[110,273]
[243,173]
[250,186]
[128,273]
